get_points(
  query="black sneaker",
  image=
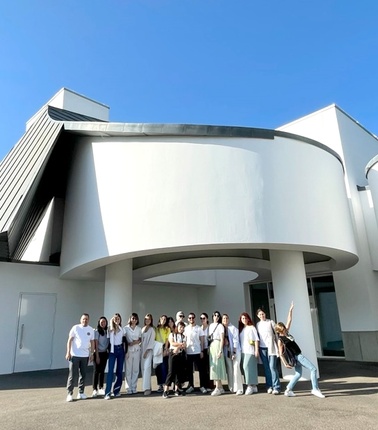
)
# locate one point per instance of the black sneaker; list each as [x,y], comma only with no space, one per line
[178,393]
[165,395]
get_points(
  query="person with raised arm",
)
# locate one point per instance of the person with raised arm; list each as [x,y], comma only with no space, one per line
[286,340]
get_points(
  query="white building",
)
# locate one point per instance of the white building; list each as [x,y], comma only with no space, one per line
[105,217]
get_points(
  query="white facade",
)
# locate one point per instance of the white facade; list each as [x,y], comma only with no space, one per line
[162,218]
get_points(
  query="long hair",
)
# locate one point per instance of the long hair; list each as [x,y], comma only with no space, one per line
[101,330]
[218,316]
[135,316]
[151,322]
[170,319]
[249,321]
[163,325]
[116,327]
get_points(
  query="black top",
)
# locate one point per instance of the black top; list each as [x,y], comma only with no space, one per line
[290,343]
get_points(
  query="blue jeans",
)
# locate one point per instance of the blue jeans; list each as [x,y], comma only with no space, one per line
[305,362]
[117,356]
[269,362]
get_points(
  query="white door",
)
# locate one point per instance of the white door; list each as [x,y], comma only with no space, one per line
[35,332]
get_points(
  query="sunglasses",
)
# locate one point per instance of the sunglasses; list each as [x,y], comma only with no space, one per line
[182,316]
[203,318]
[190,318]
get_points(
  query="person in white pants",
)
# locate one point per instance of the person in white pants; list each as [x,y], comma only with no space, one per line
[232,355]
[148,341]
[134,340]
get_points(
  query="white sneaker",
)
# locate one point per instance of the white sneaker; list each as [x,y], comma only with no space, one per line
[81,396]
[221,390]
[107,397]
[270,391]
[275,392]
[189,390]
[239,393]
[69,398]
[101,392]
[289,393]
[318,393]
[216,392]
[254,389]
[203,390]
[248,391]
[95,393]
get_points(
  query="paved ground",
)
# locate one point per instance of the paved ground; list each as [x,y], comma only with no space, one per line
[36,400]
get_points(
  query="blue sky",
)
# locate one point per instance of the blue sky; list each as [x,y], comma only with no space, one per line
[237,62]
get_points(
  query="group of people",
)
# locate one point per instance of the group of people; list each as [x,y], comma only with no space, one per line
[218,350]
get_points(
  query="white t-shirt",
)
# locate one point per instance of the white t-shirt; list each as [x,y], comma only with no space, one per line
[205,333]
[216,330]
[81,343]
[193,341]
[247,338]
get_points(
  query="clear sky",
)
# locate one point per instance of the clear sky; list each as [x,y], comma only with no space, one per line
[236,62]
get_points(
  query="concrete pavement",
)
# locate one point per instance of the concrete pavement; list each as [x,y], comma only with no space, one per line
[36,400]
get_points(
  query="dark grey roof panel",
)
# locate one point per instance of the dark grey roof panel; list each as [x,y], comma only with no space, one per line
[65,115]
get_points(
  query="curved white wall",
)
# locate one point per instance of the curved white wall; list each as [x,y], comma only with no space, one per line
[137,196]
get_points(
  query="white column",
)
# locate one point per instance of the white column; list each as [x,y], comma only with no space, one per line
[119,289]
[289,284]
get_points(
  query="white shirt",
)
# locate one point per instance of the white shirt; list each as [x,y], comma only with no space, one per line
[247,336]
[268,338]
[216,330]
[81,343]
[193,341]
[133,334]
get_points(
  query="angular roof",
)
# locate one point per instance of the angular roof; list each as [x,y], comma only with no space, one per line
[35,170]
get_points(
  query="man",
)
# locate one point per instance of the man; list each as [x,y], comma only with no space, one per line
[194,350]
[232,356]
[80,347]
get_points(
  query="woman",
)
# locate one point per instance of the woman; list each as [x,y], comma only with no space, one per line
[148,341]
[232,355]
[171,324]
[286,340]
[249,342]
[116,356]
[268,350]
[134,340]
[176,360]
[217,366]
[205,383]
[162,334]
[100,356]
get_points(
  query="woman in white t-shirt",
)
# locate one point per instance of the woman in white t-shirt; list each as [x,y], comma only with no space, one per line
[249,342]
[217,365]
[116,356]
[268,349]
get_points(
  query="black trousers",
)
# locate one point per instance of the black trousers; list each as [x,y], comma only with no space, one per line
[99,370]
[176,369]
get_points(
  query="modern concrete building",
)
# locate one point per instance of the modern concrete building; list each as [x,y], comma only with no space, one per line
[105,217]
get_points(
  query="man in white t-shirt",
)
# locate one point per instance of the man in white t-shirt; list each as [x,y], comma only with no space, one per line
[194,350]
[80,347]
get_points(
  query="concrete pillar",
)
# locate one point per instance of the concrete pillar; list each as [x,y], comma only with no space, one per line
[289,284]
[119,289]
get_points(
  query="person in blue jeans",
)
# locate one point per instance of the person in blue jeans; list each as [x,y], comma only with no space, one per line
[286,340]
[268,349]
[116,356]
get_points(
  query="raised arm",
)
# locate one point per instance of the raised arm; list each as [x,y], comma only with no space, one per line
[290,316]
